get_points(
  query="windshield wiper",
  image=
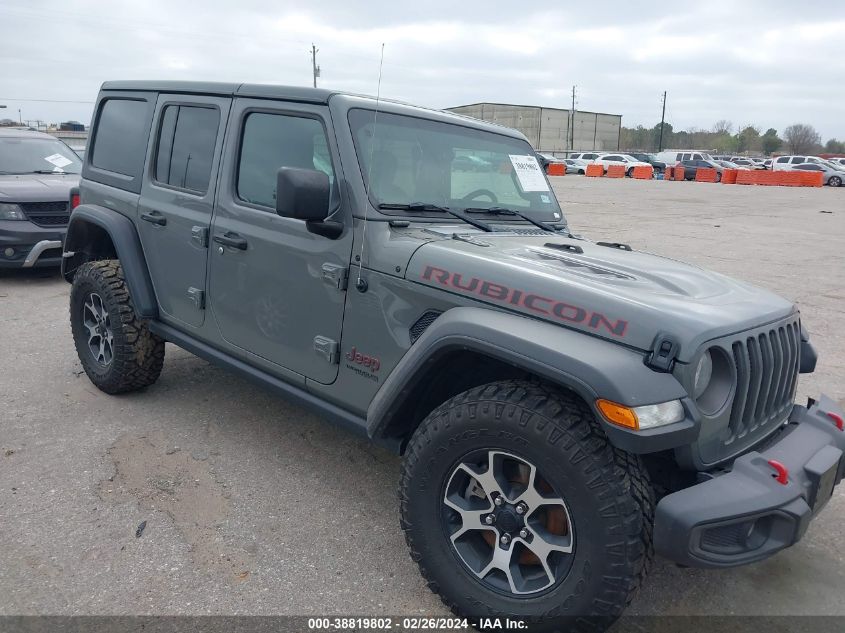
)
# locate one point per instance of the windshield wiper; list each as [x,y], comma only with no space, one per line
[51,171]
[519,214]
[421,206]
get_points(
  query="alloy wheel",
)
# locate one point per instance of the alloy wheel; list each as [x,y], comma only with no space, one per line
[507,524]
[97,322]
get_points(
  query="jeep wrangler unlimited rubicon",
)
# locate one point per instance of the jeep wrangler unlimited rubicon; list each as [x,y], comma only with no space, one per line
[565,408]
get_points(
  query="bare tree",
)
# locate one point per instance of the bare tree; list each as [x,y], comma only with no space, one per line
[801,138]
[723,126]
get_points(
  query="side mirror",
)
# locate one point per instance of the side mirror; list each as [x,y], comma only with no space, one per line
[302,194]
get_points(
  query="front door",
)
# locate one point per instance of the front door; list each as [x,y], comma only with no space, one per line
[269,289]
[177,200]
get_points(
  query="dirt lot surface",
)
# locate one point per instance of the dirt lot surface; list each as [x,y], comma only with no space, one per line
[253,506]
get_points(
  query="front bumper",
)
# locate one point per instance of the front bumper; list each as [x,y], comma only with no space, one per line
[31,245]
[747,514]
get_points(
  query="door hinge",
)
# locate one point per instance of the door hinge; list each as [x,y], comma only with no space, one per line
[199,236]
[327,348]
[335,276]
[197,297]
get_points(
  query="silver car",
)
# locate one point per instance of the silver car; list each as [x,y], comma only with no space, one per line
[833,174]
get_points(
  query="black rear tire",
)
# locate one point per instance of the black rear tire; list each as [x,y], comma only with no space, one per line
[135,355]
[607,493]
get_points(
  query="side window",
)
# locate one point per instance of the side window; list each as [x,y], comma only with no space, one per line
[120,138]
[797,160]
[271,141]
[186,146]
[782,160]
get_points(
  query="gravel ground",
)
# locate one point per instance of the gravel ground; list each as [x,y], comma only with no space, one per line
[253,506]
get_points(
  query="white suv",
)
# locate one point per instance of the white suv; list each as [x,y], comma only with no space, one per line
[629,162]
[788,163]
[588,156]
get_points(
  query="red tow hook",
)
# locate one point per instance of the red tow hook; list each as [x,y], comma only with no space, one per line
[782,473]
[837,420]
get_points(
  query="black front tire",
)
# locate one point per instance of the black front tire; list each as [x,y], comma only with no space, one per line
[607,492]
[136,355]
[835,181]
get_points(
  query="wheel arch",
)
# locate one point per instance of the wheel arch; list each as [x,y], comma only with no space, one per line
[96,233]
[467,347]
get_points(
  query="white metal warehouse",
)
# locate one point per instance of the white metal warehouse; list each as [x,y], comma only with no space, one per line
[548,129]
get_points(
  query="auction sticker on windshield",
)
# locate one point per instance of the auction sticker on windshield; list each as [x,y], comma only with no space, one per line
[529,173]
[58,160]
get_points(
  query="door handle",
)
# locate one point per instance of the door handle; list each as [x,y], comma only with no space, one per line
[231,239]
[154,217]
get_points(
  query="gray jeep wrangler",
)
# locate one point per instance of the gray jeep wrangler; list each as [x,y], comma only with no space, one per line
[566,408]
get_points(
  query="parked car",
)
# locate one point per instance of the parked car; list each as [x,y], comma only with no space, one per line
[629,162]
[787,163]
[576,165]
[37,172]
[589,156]
[730,165]
[651,159]
[750,163]
[833,175]
[674,156]
[838,160]
[548,159]
[691,168]
[565,408]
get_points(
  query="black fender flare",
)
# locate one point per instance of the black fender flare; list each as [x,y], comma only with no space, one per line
[590,366]
[127,246]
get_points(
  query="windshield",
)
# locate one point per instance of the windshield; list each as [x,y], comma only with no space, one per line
[20,155]
[408,160]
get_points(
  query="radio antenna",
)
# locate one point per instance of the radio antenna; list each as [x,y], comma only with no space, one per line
[370,170]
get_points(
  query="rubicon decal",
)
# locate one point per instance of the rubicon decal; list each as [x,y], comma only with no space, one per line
[538,304]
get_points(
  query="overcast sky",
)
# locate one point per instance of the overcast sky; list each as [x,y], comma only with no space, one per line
[768,63]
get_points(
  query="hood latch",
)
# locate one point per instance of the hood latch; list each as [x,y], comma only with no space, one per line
[663,353]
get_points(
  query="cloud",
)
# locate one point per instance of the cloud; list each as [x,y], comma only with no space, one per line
[760,62]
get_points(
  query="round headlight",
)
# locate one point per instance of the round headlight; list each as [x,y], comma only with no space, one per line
[703,375]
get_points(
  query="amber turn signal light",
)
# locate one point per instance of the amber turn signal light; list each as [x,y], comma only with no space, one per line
[617,414]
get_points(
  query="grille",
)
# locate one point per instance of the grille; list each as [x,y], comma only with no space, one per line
[767,374]
[46,213]
[422,324]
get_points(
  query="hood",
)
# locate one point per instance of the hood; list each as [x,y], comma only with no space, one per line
[37,187]
[626,296]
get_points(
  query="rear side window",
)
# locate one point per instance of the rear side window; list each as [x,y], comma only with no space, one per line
[120,142]
[186,146]
[797,160]
[783,159]
[271,141]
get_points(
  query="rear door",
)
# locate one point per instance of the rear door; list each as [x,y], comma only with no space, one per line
[177,200]
[276,290]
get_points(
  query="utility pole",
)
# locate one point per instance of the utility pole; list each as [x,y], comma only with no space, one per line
[662,123]
[572,124]
[314,67]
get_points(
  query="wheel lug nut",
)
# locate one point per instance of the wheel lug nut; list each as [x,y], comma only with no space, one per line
[523,533]
[490,519]
[521,508]
[505,539]
[499,500]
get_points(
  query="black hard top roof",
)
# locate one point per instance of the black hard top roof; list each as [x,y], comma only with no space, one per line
[291,93]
